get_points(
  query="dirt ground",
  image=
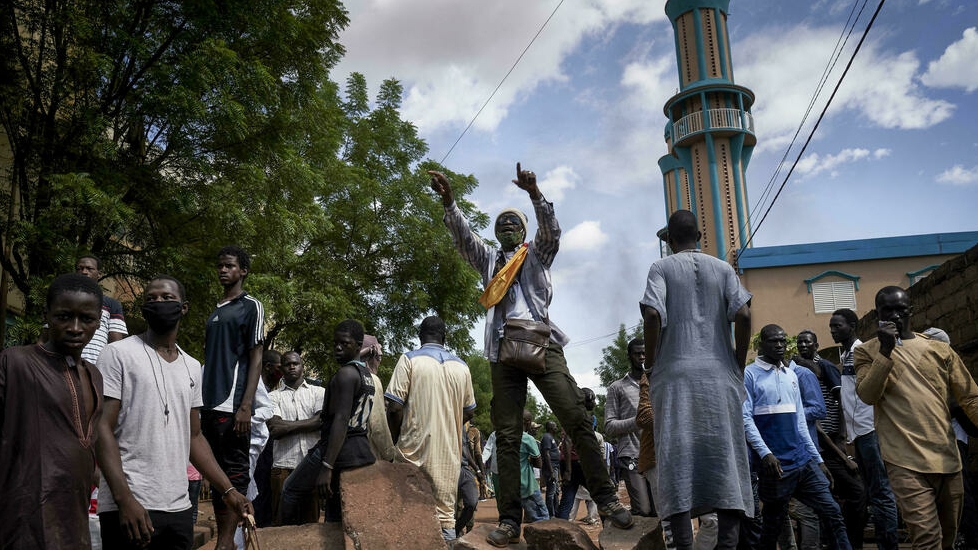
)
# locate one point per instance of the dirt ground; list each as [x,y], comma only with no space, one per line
[486,513]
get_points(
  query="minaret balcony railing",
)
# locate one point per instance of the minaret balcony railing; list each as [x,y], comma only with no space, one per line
[721,119]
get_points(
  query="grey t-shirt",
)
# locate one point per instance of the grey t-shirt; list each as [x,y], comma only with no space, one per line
[155,447]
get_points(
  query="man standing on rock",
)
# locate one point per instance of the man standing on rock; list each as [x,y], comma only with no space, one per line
[697,387]
[516,277]
[429,398]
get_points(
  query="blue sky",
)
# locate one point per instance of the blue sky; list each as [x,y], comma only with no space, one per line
[897,153]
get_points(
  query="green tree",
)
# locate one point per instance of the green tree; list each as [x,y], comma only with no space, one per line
[482,386]
[614,358]
[152,133]
[130,124]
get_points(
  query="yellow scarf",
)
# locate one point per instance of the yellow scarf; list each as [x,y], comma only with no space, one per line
[496,289]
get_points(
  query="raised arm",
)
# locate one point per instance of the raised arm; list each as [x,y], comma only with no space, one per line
[469,245]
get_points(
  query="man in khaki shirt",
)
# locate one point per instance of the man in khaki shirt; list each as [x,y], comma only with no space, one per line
[910,380]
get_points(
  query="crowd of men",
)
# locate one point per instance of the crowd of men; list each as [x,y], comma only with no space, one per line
[700,433]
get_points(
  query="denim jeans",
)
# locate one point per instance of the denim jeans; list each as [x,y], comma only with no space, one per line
[553,486]
[534,508]
[568,492]
[808,524]
[878,490]
[637,486]
[300,487]
[811,487]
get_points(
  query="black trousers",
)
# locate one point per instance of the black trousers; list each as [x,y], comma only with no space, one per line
[170,531]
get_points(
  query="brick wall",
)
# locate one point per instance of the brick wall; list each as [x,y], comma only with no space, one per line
[947,299]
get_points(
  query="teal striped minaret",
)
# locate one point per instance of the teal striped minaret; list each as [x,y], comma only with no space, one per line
[710,132]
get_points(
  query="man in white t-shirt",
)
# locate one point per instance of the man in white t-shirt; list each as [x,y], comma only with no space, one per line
[295,426]
[149,428]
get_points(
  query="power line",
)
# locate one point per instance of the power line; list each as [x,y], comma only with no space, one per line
[489,99]
[815,128]
[837,50]
[587,341]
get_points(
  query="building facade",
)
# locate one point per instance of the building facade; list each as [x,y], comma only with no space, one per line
[799,286]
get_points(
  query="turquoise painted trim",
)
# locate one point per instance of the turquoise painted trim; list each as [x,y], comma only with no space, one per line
[912,275]
[847,276]
[679,62]
[703,107]
[686,159]
[718,227]
[667,164]
[722,46]
[675,8]
[710,85]
[740,189]
[950,243]
[700,54]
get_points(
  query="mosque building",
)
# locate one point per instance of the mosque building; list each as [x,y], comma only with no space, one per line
[710,137]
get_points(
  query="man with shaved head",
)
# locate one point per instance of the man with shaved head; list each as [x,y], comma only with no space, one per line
[516,277]
[911,380]
[697,385]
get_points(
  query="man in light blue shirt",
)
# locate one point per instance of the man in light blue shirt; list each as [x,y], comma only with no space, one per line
[774,420]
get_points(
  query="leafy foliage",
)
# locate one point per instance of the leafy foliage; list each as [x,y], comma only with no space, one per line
[152,133]
[614,358]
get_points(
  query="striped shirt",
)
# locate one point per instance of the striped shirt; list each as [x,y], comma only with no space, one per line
[112,320]
[295,404]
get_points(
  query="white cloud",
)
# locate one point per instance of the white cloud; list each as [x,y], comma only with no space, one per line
[814,164]
[959,175]
[881,87]
[449,70]
[956,66]
[557,180]
[586,236]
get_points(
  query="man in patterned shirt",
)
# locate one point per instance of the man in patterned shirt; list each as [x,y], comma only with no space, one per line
[527,297]
[295,427]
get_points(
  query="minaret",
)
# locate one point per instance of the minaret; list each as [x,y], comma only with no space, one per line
[710,133]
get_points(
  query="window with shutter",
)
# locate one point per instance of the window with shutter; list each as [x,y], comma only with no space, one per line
[830,296]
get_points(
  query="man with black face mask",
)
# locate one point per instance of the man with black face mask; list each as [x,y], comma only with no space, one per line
[150,426]
[516,277]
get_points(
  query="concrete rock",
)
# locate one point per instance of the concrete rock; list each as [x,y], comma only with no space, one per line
[556,534]
[476,540]
[389,506]
[315,535]
[645,534]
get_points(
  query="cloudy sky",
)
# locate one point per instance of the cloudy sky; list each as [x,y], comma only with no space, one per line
[897,153]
